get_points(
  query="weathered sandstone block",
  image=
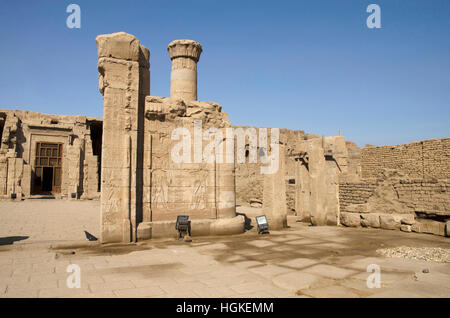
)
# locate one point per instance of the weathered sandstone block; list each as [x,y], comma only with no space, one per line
[389,222]
[405,228]
[432,227]
[350,219]
[370,220]
[121,46]
[144,231]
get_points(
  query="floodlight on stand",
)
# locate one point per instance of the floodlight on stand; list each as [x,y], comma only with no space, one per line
[262,224]
[183,225]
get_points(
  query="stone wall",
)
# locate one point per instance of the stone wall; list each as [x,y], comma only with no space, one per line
[355,192]
[430,197]
[22,130]
[249,180]
[200,184]
[320,163]
[421,159]
[402,187]
[162,157]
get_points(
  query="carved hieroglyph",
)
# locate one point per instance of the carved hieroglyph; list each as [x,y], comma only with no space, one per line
[141,182]
[124,81]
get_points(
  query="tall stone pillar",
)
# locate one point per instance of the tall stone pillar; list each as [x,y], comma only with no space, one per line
[183,81]
[324,169]
[274,195]
[124,81]
[302,191]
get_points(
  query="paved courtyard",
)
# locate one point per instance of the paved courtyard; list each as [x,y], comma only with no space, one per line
[40,238]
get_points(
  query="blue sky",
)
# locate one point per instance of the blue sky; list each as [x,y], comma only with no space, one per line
[311,65]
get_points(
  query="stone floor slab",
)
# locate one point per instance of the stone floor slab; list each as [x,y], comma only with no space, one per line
[295,281]
[330,271]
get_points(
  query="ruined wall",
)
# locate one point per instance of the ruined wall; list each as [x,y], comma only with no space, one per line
[355,192]
[22,130]
[320,163]
[402,187]
[249,180]
[186,180]
[416,205]
[354,159]
[249,183]
[420,159]
[160,155]
[423,196]
[313,165]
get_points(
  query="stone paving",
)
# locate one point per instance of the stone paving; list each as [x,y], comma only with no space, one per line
[301,261]
[44,220]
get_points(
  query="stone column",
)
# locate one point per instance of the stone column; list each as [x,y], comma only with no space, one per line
[274,195]
[302,191]
[324,180]
[124,81]
[183,81]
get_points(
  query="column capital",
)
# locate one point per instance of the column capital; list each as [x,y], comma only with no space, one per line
[185,48]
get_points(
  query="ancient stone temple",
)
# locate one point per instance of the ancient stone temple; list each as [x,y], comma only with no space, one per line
[49,155]
[155,165]
[154,158]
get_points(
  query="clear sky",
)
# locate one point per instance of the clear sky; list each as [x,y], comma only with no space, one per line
[311,65]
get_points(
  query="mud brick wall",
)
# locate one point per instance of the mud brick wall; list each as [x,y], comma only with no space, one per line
[431,197]
[422,159]
[427,196]
[355,193]
[436,158]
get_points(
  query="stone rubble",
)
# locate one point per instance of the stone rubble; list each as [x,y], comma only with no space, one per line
[434,254]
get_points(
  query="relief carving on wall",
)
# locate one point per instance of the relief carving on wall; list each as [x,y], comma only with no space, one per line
[198,196]
[160,188]
[164,188]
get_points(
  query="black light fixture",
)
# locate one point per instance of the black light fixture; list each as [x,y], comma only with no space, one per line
[183,225]
[262,224]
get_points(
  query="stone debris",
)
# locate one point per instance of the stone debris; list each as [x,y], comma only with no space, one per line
[434,254]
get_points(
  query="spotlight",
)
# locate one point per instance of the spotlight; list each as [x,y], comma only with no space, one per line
[263,225]
[183,225]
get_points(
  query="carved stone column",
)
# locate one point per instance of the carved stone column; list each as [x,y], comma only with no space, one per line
[124,81]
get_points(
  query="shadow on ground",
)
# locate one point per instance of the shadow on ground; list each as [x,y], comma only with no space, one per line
[11,239]
[328,245]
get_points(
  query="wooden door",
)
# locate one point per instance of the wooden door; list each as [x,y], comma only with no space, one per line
[48,155]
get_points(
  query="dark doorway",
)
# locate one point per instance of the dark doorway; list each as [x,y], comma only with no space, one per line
[47,179]
[47,171]
[96,128]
